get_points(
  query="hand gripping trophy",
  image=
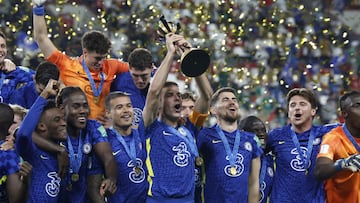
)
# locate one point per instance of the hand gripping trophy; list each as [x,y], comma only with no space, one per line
[193,62]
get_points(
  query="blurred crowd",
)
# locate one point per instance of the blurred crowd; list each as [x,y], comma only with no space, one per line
[261,48]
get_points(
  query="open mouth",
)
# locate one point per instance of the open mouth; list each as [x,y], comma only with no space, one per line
[126,116]
[297,115]
[81,119]
[178,107]
[232,109]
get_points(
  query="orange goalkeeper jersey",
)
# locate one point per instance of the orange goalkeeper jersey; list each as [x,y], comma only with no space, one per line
[344,186]
[72,73]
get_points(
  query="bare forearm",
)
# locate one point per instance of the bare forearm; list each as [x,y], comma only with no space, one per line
[161,74]
[93,188]
[205,92]
[324,171]
[111,171]
[153,95]
[41,35]
[40,29]
[254,194]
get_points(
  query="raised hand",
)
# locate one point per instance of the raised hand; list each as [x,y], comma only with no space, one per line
[9,66]
[351,163]
[51,89]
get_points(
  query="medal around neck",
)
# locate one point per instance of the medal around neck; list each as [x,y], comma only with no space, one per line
[193,62]
[75,177]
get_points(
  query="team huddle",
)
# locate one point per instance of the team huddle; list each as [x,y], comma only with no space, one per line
[98,129]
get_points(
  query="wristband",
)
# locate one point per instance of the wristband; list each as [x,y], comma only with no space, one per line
[39,10]
[339,164]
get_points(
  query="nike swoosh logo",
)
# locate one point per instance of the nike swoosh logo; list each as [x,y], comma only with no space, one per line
[281,142]
[43,157]
[117,152]
[216,141]
[166,133]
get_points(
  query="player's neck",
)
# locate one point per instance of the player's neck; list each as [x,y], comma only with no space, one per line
[172,123]
[73,132]
[301,128]
[123,130]
[353,131]
[228,126]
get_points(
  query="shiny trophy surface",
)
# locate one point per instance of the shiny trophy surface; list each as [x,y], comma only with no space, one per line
[193,62]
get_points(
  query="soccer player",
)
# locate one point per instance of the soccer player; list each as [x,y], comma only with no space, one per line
[86,138]
[128,148]
[256,125]
[27,94]
[136,81]
[47,121]
[338,162]
[170,147]
[92,71]
[295,148]
[187,104]
[13,185]
[231,156]
[10,75]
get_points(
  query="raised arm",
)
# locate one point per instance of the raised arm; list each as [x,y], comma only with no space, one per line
[150,111]
[24,134]
[202,103]
[40,30]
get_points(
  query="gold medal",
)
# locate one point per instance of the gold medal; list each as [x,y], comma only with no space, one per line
[75,177]
[199,161]
[233,170]
[137,170]
[96,99]
[69,187]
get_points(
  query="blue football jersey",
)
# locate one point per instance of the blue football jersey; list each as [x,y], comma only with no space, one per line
[25,96]
[90,136]
[170,162]
[9,164]
[294,182]
[220,184]
[45,182]
[9,82]
[132,184]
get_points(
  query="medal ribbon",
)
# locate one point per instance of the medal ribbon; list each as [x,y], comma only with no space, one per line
[131,152]
[75,161]
[263,169]
[231,155]
[306,159]
[351,138]
[97,91]
[188,138]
